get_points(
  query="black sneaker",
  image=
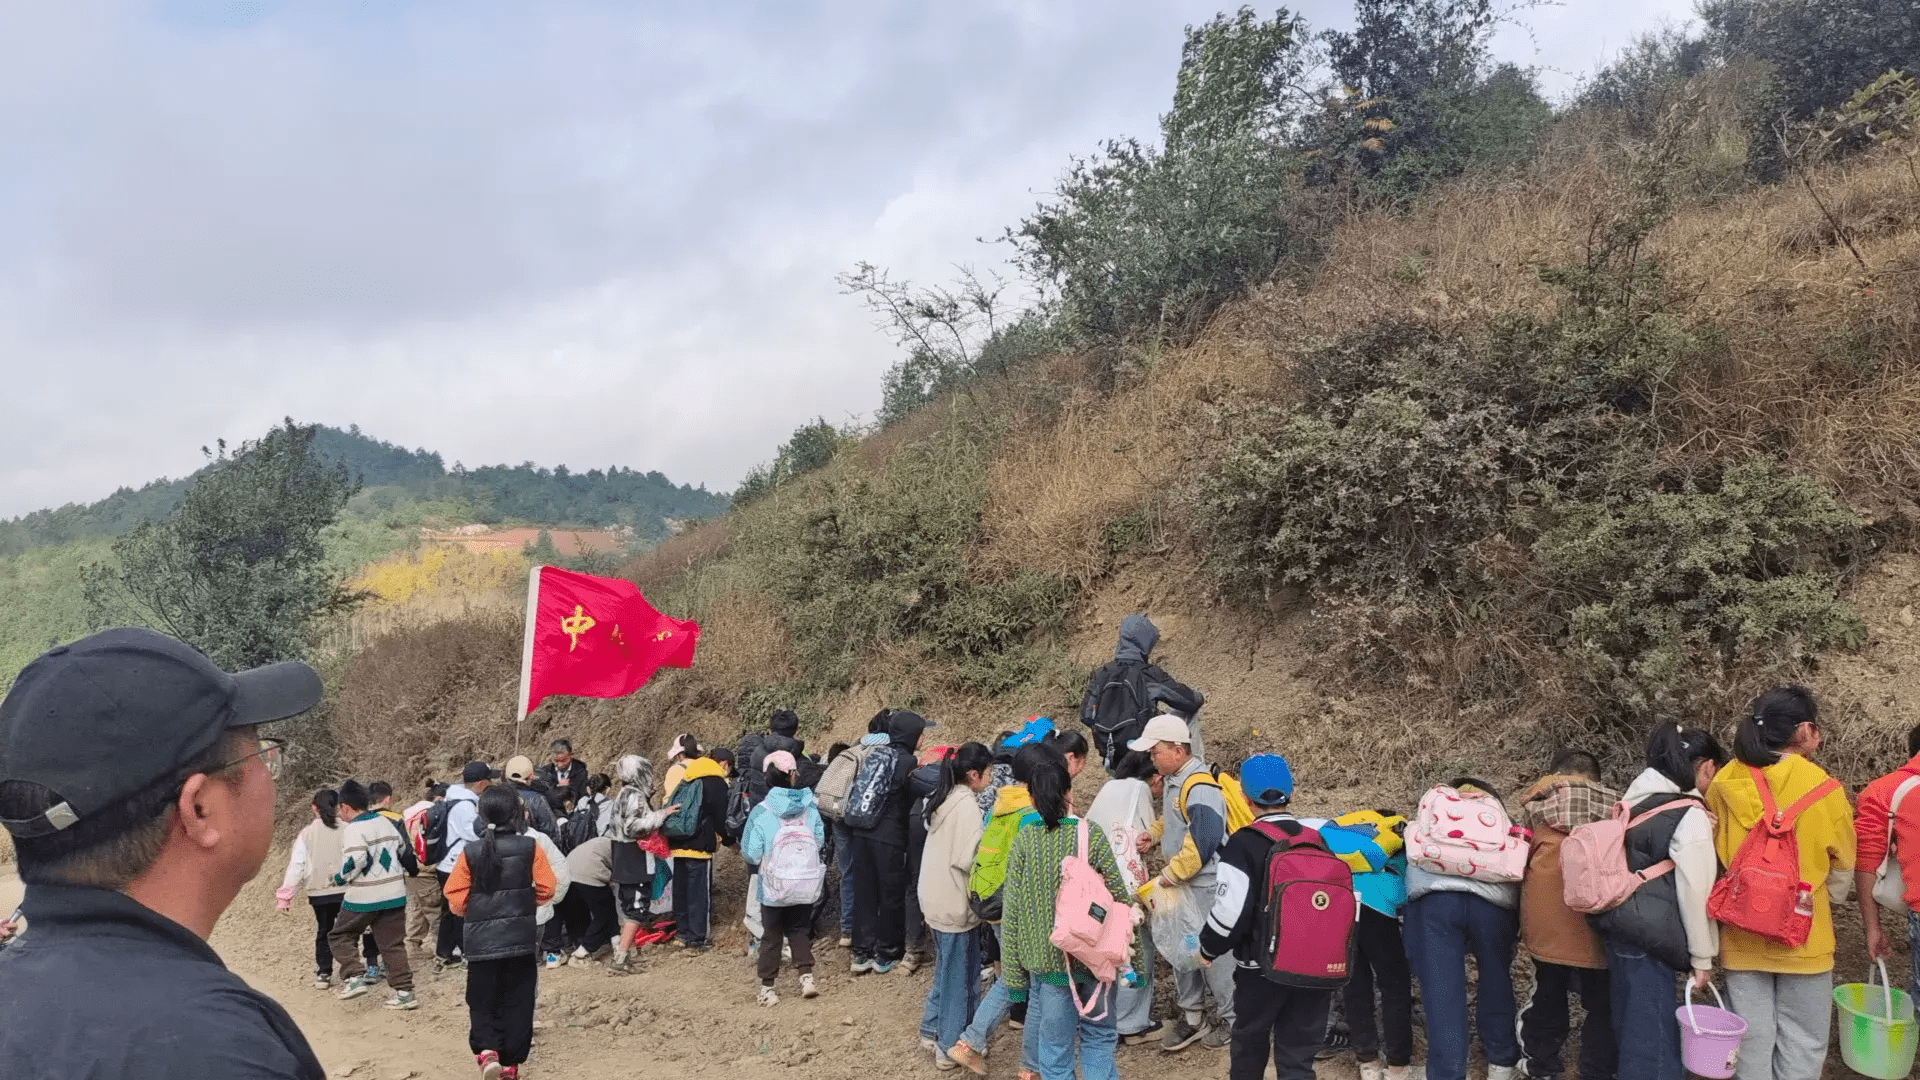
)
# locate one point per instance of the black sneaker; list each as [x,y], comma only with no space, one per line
[1181,1035]
[1339,1041]
[1145,1034]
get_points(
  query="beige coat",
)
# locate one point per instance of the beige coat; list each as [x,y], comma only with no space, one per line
[951,841]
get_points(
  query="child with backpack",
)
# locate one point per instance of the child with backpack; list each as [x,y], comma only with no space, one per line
[1566,953]
[1888,866]
[953,829]
[1282,916]
[1661,929]
[497,886]
[423,890]
[1036,959]
[1377,956]
[1776,918]
[633,870]
[1124,810]
[782,837]
[1465,859]
[703,784]
[376,858]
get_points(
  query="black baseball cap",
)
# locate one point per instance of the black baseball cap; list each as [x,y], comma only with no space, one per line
[477,771]
[100,720]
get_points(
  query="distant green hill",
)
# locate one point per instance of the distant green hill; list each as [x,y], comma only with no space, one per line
[493,494]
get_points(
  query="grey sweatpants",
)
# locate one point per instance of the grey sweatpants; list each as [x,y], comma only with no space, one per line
[1788,1019]
[1193,986]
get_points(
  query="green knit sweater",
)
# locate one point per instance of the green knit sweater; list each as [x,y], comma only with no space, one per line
[1033,882]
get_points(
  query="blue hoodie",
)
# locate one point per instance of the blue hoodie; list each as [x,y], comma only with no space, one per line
[756,840]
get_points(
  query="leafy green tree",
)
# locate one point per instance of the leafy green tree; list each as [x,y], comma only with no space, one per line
[238,569]
[1149,241]
[1821,51]
[812,446]
[1416,99]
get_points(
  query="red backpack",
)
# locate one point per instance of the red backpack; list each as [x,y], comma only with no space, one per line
[1762,891]
[1306,911]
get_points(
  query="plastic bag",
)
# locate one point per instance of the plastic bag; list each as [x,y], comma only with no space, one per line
[1179,911]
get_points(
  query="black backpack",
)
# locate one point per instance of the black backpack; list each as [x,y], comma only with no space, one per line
[1121,708]
[740,803]
[872,786]
[436,831]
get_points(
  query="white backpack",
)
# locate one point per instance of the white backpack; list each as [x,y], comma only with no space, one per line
[1889,884]
[1466,834]
[792,873]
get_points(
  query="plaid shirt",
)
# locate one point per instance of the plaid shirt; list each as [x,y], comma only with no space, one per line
[1563,803]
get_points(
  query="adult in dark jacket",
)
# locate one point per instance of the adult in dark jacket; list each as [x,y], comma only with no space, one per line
[565,774]
[519,773]
[1138,636]
[880,858]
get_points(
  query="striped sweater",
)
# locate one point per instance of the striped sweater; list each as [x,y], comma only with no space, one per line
[370,868]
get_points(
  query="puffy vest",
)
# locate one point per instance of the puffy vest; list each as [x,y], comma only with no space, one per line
[500,922]
[1650,918]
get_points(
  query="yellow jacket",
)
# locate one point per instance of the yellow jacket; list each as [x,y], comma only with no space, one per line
[695,769]
[1824,834]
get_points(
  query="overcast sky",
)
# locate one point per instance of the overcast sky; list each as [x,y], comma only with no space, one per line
[558,231]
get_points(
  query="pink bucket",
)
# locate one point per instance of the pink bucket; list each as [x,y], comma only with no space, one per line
[1710,1037]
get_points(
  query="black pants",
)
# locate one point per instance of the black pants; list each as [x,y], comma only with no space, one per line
[879,900]
[500,1006]
[590,915]
[693,900]
[1270,1018]
[916,937]
[1547,1018]
[326,911]
[1377,960]
[792,925]
[553,936]
[446,940]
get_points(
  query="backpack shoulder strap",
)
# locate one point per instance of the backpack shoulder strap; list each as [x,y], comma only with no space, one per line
[1806,801]
[1081,850]
[1899,793]
[1771,809]
[1187,786]
[1675,804]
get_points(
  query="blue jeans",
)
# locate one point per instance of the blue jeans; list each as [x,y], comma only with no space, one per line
[991,1011]
[956,987]
[1913,947]
[1442,927]
[1053,1014]
[1644,1022]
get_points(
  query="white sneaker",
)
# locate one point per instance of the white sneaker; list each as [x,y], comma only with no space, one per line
[1501,1072]
[942,1062]
[846,942]
[580,952]
[1372,1070]
[322,982]
[768,997]
[807,989]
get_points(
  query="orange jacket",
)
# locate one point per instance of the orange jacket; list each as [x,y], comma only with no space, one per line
[460,882]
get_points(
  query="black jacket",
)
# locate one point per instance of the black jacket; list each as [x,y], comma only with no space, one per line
[1650,918]
[100,986]
[539,811]
[891,828]
[1138,636]
[576,785]
[500,922]
[713,816]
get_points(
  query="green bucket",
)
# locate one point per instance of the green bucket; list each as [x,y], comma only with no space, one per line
[1878,1035]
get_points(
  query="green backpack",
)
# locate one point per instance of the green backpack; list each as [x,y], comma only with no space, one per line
[684,820]
[988,878]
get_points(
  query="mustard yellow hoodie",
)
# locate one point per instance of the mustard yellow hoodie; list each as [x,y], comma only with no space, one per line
[1824,834]
[696,769]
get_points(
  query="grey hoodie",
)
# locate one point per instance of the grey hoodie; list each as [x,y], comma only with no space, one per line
[1138,636]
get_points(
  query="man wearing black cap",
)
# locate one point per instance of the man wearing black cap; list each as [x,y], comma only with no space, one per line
[140,799]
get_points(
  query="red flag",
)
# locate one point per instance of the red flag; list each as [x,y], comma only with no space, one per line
[595,637]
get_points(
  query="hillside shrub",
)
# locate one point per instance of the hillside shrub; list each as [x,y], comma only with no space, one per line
[863,557]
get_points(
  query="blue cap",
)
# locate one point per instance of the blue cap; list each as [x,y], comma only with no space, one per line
[1267,779]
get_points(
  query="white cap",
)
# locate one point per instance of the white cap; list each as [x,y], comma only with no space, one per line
[1163,728]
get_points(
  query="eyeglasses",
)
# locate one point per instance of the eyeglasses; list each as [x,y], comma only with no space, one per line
[272,754]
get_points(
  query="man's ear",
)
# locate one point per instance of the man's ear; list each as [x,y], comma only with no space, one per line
[196,813]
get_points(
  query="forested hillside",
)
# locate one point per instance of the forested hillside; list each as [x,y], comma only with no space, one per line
[489,494]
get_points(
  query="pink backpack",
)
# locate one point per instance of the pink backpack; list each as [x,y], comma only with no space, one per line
[1466,834]
[1089,925]
[1593,859]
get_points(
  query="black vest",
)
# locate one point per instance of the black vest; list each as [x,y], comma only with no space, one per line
[1650,919]
[500,921]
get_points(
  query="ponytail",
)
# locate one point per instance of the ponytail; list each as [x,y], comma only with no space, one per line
[1674,752]
[1770,725]
[500,809]
[327,802]
[954,766]
[1049,785]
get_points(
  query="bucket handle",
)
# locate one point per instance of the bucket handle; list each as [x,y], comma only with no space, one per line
[1722,1002]
[1885,985]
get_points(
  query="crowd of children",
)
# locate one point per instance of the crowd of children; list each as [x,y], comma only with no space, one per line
[973,858]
